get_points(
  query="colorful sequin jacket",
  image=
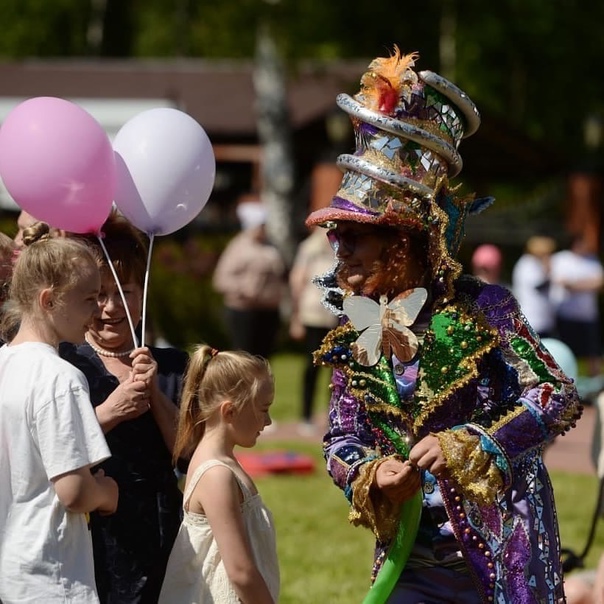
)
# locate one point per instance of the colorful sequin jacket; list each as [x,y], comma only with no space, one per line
[495,398]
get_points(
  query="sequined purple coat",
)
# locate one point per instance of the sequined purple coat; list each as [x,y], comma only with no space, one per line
[482,374]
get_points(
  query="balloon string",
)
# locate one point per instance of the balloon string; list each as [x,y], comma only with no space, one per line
[119,287]
[146,287]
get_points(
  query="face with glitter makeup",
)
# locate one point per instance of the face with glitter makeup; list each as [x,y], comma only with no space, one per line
[358,247]
[376,260]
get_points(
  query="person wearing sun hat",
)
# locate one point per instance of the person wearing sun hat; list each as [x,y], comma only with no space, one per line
[251,276]
[442,399]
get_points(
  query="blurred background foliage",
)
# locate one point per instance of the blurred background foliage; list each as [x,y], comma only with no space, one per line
[534,62]
[182,304]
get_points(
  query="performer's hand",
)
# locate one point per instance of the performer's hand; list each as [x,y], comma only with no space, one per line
[428,455]
[398,480]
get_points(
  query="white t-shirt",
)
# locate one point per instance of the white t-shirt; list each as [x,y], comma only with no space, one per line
[571,267]
[536,305]
[47,428]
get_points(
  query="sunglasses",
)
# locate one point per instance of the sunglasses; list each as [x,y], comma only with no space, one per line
[348,240]
[344,240]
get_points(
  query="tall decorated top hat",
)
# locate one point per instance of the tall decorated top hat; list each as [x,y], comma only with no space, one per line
[408,126]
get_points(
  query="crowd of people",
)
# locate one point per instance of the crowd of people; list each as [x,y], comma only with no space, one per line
[558,292]
[443,397]
[92,441]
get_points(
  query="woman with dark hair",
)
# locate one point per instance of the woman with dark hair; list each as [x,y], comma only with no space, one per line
[443,398]
[134,392]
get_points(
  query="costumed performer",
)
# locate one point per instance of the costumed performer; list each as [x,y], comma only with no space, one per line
[443,398]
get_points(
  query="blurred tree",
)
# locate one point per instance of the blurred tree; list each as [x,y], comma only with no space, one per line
[530,61]
[37,28]
[274,132]
[118,28]
[533,61]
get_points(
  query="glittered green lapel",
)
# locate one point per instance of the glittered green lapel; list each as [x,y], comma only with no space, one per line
[452,347]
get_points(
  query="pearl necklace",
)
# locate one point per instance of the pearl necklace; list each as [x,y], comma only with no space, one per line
[108,353]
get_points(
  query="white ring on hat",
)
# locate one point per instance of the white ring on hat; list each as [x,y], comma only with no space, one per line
[458,96]
[357,164]
[400,128]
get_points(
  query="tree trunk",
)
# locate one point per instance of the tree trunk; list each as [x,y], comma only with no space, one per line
[274,131]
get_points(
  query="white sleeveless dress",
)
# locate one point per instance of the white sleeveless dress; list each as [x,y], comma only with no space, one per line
[196,573]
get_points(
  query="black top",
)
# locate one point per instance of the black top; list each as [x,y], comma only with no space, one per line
[131,547]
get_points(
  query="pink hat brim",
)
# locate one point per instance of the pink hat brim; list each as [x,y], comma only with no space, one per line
[324,215]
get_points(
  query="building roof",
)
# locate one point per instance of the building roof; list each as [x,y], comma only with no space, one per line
[220,95]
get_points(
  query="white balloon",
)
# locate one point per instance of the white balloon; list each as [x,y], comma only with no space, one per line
[165,170]
[563,355]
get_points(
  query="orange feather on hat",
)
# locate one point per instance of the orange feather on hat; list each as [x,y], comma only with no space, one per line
[387,80]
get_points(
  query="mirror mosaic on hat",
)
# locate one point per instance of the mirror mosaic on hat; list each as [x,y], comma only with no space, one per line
[408,127]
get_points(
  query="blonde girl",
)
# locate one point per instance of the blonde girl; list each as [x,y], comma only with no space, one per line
[49,435]
[225,550]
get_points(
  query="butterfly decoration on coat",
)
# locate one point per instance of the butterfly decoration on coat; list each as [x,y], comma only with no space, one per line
[384,326]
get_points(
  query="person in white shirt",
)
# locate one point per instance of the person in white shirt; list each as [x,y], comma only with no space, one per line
[49,435]
[577,278]
[531,284]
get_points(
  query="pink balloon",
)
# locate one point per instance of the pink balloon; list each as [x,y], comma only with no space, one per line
[58,164]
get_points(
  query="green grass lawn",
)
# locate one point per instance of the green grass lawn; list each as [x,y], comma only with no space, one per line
[322,557]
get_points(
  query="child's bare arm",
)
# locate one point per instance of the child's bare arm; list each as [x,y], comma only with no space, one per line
[81,491]
[219,496]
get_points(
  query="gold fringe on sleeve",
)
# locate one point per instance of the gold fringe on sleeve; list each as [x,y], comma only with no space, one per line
[473,469]
[370,508]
